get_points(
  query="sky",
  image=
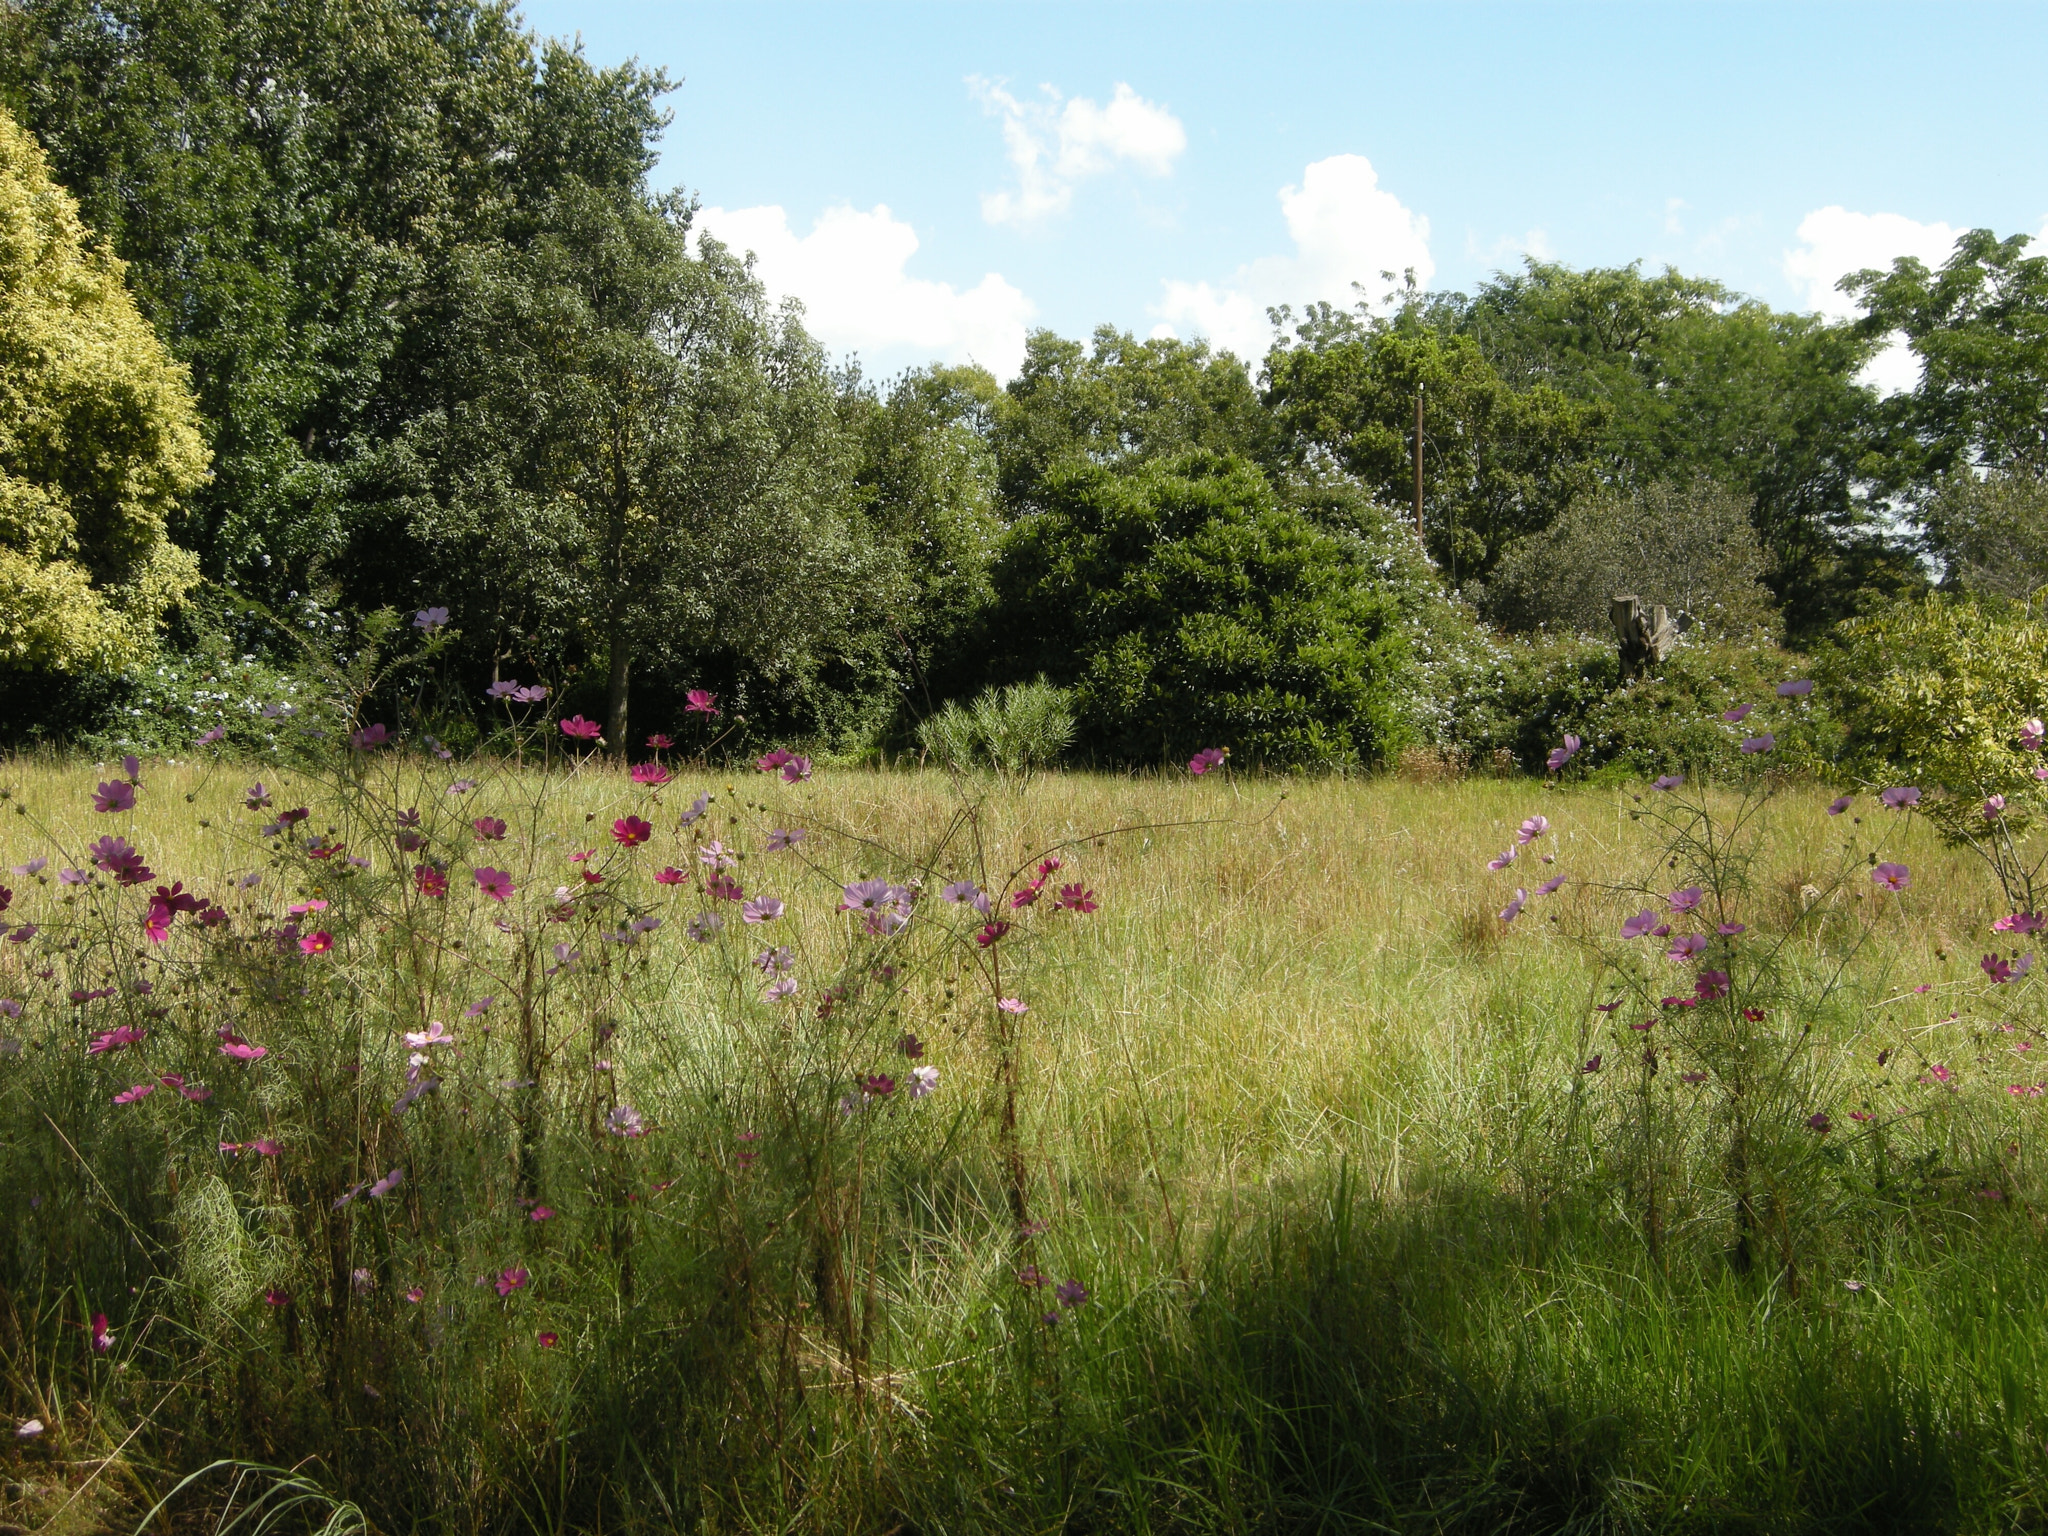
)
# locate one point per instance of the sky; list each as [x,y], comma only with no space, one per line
[933,181]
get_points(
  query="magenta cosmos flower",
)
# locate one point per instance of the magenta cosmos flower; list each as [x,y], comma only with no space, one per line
[2032,734]
[653,775]
[1561,755]
[316,943]
[660,742]
[510,1280]
[369,736]
[494,883]
[115,795]
[631,831]
[1891,877]
[1685,900]
[581,729]
[1207,758]
[700,701]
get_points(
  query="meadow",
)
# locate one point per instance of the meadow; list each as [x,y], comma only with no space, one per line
[478,1186]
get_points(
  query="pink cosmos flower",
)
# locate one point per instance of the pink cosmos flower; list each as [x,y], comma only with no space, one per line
[1763,743]
[494,883]
[1592,1064]
[1075,898]
[238,1049]
[2032,734]
[1819,1122]
[479,1008]
[670,876]
[1738,714]
[1901,797]
[771,761]
[548,1340]
[1891,877]
[762,909]
[796,770]
[115,1039]
[1939,1073]
[1013,1005]
[1709,985]
[1729,930]
[102,1335]
[369,736]
[1669,781]
[659,742]
[436,1033]
[1532,829]
[32,867]
[115,795]
[388,1183]
[1549,887]
[1685,900]
[429,881]
[1513,909]
[416,1295]
[489,829]
[218,733]
[631,831]
[1207,758]
[316,943]
[510,1280]
[1501,860]
[700,702]
[924,1081]
[991,934]
[113,855]
[1840,805]
[540,1213]
[653,775]
[782,838]
[580,729]
[2001,972]
[1797,689]
[1559,756]
[722,887]
[624,1120]
[1994,807]
[2020,922]
[696,811]
[138,1091]
[1635,927]
[1685,946]
[781,989]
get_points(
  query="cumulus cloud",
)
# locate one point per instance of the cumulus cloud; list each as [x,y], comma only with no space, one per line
[850,272]
[1059,141]
[1833,242]
[1346,229]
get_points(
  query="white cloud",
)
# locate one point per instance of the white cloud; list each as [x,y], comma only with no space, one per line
[1835,242]
[849,271]
[1346,228]
[1056,142]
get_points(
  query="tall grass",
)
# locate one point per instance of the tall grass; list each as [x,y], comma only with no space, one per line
[1362,1244]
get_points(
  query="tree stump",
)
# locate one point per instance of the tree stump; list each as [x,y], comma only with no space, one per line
[1644,642]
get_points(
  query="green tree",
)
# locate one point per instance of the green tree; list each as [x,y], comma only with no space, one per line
[1117,401]
[1189,609]
[1991,532]
[1980,329]
[655,445]
[296,186]
[98,440]
[1500,460]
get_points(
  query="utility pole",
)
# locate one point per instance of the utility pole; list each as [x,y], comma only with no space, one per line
[1418,461]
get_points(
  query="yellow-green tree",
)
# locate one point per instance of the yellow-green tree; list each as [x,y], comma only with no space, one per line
[99,437]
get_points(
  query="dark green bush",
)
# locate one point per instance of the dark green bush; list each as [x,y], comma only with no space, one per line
[1188,608]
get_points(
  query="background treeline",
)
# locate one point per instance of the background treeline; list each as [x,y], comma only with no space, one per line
[445,347]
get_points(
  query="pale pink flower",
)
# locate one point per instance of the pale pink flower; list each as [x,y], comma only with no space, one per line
[1532,829]
[1891,877]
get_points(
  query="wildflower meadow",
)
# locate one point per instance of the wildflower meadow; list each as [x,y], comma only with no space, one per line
[558,1140]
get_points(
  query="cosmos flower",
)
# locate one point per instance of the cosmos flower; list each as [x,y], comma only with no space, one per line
[762,909]
[1635,927]
[1071,1294]
[580,729]
[1685,900]
[1513,909]
[429,881]
[1738,714]
[1841,804]
[624,1120]
[781,989]
[369,736]
[670,876]
[1799,688]
[660,743]
[631,831]
[2032,734]
[1013,1005]
[510,1280]
[115,795]
[1532,829]
[1548,887]
[1891,877]
[653,775]
[1501,860]
[1670,781]
[696,811]
[494,883]
[1685,946]
[1763,743]
[700,702]
[316,943]
[388,1183]
[924,1081]
[1994,807]
[138,1091]
[430,619]
[1901,797]
[782,838]
[1076,898]
[1561,755]
[1206,759]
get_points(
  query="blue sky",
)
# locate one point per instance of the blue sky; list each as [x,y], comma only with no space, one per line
[934,179]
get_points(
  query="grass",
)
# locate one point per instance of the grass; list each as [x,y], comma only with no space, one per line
[1364,1249]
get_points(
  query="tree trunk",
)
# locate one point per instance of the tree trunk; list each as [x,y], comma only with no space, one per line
[615,694]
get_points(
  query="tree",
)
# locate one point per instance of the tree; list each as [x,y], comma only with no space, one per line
[98,440]
[1117,401]
[1980,329]
[1692,548]
[657,443]
[1500,460]
[1189,609]
[1991,531]
[297,186]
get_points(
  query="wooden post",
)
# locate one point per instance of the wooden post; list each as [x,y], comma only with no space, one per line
[1418,461]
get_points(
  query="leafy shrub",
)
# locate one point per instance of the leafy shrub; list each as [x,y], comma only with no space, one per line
[1187,608]
[1692,548]
[1014,730]
[1523,696]
[1936,691]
